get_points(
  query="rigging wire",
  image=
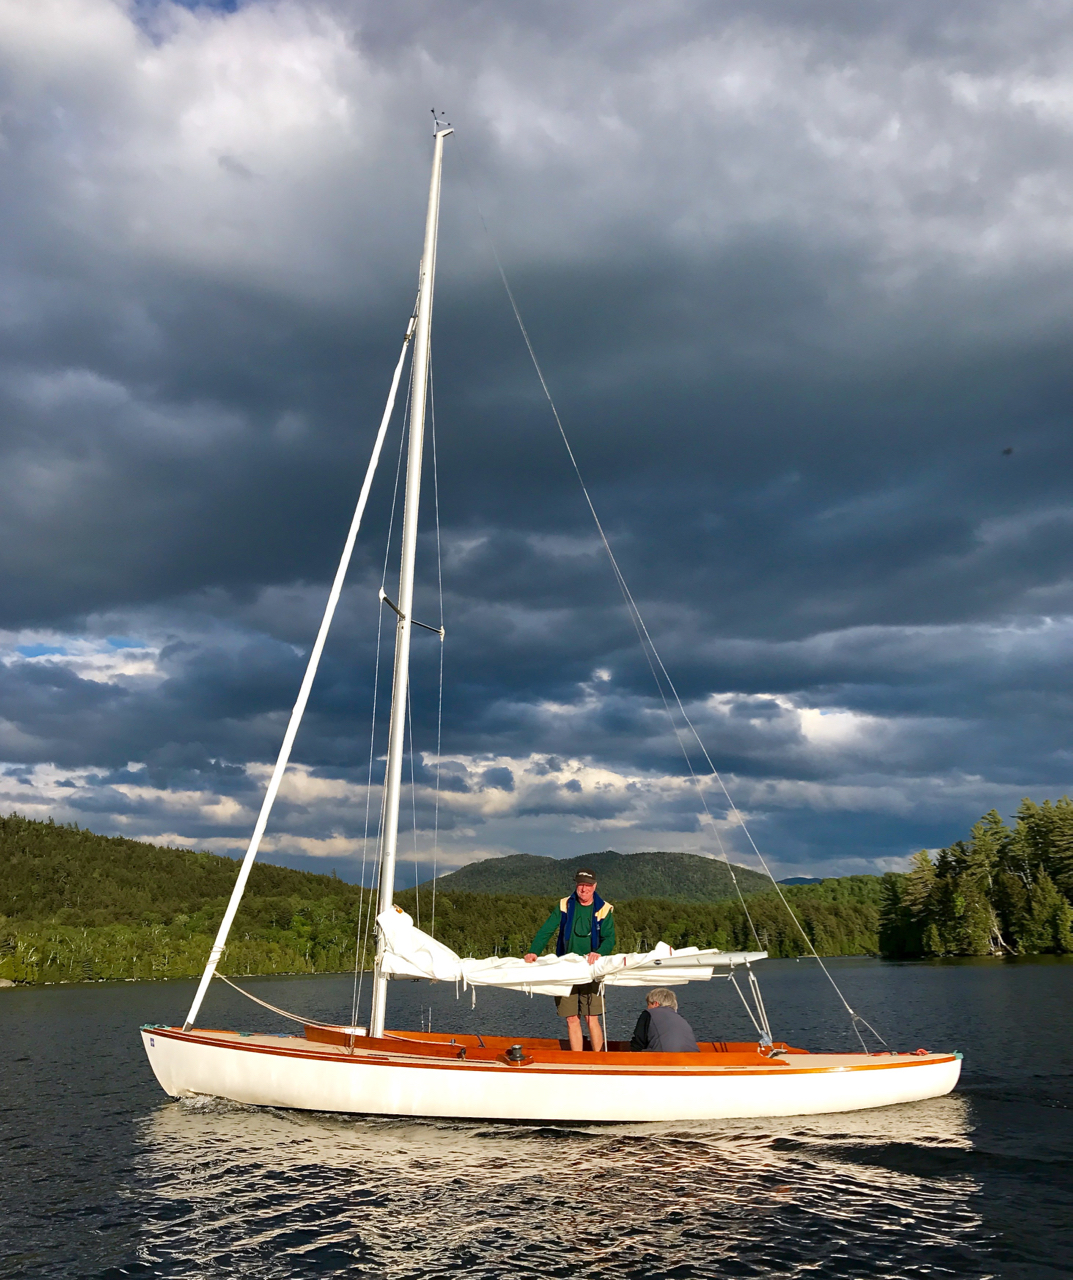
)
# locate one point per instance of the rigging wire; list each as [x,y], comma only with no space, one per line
[754,986]
[854,1016]
[649,645]
[439,700]
[374,895]
[413,801]
[292,1017]
[752,1017]
[409,699]
[374,892]
[301,701]
[367,897]
[363,902]
[693,776]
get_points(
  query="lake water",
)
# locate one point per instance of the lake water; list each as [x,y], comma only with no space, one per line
[103,1176]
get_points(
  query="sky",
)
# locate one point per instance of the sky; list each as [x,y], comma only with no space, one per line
[801,283]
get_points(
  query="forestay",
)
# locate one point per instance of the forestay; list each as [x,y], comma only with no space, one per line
[410,953]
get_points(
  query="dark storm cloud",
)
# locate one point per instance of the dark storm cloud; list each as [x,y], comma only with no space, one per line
[799,280]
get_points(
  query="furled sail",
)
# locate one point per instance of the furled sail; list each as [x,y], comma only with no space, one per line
[410,953]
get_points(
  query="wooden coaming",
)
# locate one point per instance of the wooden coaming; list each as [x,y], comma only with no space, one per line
[437,1052]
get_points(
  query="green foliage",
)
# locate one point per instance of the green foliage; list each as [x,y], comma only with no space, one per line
[840,917]
[75,907]
[1001,892]
[67,876]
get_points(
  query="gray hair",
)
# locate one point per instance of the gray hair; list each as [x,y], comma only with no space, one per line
[661,996]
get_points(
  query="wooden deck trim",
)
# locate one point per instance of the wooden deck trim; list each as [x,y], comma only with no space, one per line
[595,1064]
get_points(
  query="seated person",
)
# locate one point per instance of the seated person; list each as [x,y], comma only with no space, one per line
[661,1028]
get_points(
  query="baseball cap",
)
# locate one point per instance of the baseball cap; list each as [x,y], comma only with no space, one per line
[584,876]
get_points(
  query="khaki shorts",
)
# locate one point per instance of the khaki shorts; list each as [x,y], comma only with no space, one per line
[583,1001]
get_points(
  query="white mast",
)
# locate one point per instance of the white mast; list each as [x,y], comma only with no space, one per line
[397,729]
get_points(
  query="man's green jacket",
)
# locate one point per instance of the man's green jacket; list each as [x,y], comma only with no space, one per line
[580,941]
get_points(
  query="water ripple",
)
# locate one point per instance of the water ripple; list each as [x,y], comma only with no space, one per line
[228,1190]
[104,1178]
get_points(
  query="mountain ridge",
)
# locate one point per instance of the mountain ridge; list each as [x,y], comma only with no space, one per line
[667,875]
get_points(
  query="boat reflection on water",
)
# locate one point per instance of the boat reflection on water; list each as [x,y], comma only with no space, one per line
[295,1193]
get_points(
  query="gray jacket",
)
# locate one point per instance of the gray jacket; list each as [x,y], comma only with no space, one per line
[662,1030]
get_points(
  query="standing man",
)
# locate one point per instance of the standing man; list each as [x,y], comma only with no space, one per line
[586,925]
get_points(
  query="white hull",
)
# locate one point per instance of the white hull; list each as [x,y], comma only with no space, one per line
[291,1072]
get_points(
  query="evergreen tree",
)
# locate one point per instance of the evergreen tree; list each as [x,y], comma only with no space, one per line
[920,884]
[1000,891]
[975,865]
[921,906]
[1044,841]
[899,929]
[1046,926]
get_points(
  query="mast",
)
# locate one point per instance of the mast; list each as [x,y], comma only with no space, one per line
[400,686]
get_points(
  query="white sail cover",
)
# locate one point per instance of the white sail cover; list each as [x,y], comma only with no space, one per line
[410,953]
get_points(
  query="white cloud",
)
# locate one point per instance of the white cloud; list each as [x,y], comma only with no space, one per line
[245,143]
[277,150]
[104,660]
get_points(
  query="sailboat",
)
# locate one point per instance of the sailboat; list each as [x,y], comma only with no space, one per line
[376,1071]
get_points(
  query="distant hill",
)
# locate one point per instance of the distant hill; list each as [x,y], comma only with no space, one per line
[61,874]
[76,906]
[802,880]
[672,877]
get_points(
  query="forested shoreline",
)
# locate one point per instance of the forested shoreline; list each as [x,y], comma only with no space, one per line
[1004,891]
[286,936]
[78,907]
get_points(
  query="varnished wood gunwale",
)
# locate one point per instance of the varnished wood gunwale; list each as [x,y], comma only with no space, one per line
[385,1052]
